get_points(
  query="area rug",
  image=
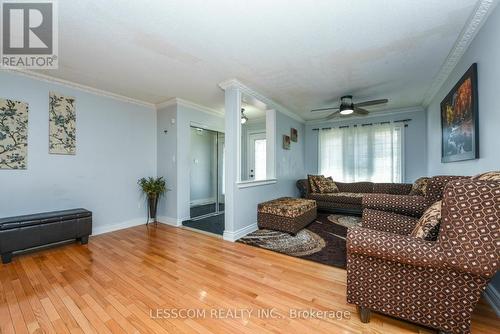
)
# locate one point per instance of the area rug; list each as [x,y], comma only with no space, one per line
[322,241]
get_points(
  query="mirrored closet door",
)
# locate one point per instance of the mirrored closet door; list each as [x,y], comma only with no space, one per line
[207,173]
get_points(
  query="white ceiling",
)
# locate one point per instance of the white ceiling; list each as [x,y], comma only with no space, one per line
[302,54]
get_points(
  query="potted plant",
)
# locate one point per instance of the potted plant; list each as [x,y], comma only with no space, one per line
[154,188]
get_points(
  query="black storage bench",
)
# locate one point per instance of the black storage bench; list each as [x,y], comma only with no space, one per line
[23,232]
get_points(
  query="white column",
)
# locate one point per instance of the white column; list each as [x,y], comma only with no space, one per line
[270,144]
[232,142]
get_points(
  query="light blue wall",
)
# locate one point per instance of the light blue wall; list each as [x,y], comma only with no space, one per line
[167,159]
[485,50]
[415,141]
[116,146]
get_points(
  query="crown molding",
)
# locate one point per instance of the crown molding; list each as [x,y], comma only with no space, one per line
[472,27]
[189,104]
[235,83]
[389,112]
[74,85]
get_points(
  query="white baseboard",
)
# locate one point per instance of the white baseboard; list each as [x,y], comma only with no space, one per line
[133,222]
[118,226]
[235,235]
[492,296]
[170,221]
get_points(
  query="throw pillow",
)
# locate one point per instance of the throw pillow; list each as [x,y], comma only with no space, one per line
[312,182]
[427,227]
[326,185]
[488,176]
[419,188]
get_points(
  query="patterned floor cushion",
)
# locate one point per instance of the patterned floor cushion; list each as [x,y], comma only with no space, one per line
[286,214]
[419,187]
[427,227]
[326,185]
[488,176]
[312,182]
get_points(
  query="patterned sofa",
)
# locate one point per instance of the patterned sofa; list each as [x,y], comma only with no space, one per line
[432,283]
[410,205]
[350,196]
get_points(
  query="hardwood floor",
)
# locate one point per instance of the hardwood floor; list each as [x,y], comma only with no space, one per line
[129,280]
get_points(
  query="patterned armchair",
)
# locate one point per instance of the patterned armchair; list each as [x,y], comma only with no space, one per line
[388,222]
[410,205]
[433,283]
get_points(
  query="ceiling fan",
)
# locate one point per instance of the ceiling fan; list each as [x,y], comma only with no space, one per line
[348,107]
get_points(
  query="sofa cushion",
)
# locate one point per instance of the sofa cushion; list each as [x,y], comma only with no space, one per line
[427,227]
[312,182]
[488,176]
[326,185]
[287,206]
[419,188]
[340,197]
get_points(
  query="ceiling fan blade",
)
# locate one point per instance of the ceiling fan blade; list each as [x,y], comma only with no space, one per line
[371,103]
[360,111]
[324,109]
[332,115]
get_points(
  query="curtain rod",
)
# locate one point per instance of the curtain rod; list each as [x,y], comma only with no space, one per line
[367,124]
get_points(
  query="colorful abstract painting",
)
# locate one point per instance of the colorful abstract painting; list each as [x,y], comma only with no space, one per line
[459,120]
[13,134]
[62,124]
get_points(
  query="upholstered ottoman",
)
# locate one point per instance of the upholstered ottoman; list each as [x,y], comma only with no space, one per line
[286,214]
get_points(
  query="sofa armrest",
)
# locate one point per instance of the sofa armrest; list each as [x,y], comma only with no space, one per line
[388,222]
[470,232]
[303,186]
[403,204]
[393,247]
[436,184]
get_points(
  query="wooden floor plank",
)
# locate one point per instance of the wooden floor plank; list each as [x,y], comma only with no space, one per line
[117,282]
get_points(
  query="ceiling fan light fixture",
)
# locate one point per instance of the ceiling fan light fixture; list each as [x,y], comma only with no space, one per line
[243,119]
[346,109]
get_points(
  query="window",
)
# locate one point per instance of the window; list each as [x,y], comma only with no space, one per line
[362,153]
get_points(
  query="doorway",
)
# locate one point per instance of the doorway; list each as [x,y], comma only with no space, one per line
[206,181]
[256,156]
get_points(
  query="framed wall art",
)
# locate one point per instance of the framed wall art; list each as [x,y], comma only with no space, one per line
[13,134]
[62,124]
[286,142]
[294,135]
[459,120]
